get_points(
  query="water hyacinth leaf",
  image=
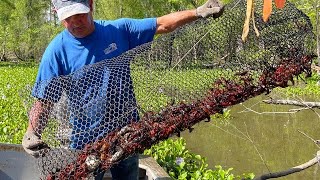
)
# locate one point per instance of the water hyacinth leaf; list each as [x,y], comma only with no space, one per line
[198,157]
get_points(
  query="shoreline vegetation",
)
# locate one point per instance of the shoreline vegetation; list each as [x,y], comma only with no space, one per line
[16,76]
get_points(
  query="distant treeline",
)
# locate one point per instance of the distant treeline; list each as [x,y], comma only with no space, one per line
[27,26]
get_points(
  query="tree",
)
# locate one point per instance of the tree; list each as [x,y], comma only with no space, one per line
[109,9]
[6,8]
[26,28]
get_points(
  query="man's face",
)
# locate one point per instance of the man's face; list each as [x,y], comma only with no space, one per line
[79,25]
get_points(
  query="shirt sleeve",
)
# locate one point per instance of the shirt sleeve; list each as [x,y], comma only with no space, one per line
[140,31]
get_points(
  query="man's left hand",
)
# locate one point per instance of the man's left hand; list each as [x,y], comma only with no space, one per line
[211,8]
[32,143]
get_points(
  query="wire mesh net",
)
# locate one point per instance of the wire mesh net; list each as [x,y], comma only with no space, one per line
[105,112]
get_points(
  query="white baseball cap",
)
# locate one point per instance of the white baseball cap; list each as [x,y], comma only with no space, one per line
[67,8]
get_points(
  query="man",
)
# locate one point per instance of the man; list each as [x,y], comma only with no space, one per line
[83,42]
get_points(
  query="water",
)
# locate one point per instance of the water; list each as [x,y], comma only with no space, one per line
[259,141]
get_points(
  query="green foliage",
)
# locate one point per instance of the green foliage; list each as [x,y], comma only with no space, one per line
[225,116]
[27,26]
[308,7]
[164,89]
[305,87]
[29,29]
[13,116]
[110,9]
[49,134]
[173,156]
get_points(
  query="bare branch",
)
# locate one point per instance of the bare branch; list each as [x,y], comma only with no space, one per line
[245,137]
[260,113]
[313,140]
[226,131]
[295,169]
[255,147]
[293,102]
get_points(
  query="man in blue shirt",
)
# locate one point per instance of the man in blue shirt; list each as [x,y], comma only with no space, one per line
[86,41]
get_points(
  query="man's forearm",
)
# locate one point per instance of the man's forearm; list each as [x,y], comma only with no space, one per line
[38,116]
[170,22]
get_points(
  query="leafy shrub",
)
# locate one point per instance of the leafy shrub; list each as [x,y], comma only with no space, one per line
[303,87]
[13,116]
[179,163]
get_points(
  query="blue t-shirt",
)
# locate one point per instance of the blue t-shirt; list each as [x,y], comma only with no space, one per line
[100,95]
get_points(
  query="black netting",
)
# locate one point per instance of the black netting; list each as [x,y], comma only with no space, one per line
[107,111]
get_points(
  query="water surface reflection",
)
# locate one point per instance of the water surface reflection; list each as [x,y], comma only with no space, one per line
[249,137]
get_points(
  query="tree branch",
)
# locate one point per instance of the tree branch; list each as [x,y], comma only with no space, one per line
[293,102]
[296,169]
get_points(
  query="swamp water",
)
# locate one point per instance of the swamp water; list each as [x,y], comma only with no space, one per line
[241,142]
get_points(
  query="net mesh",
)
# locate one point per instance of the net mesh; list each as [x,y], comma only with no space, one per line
[105,112]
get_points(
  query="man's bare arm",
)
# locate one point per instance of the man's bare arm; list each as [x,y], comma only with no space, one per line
[38,116]
[170,22]
[38,119]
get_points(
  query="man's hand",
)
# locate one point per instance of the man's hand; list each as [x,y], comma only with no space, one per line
[32,143]
[210,8]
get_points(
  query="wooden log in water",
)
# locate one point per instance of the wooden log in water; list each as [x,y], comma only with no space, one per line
[293,102]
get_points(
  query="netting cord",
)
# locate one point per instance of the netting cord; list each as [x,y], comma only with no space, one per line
[179,61]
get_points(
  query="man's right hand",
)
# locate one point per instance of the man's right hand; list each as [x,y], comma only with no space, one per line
[32,143]
[212,8]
